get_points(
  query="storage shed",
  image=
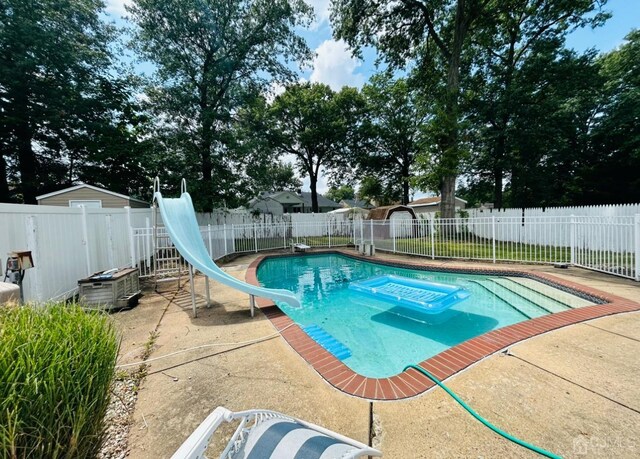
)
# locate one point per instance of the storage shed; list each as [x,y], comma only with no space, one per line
[89,196]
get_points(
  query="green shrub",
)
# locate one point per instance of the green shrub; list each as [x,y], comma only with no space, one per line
[56,367]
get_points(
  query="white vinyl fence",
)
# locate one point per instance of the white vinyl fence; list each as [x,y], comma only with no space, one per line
[70,243]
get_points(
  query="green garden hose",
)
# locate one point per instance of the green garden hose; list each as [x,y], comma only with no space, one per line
[481,419]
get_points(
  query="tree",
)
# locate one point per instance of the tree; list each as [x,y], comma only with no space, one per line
[517,30]
[397,119]
[209,56]
[337,194]
[431,33]
[317,127]
[58,89]
[373,190]
[610,174]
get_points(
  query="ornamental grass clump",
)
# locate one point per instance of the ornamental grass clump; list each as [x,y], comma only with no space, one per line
[56,366]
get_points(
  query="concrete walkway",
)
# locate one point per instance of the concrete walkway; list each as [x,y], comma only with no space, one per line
[573,391]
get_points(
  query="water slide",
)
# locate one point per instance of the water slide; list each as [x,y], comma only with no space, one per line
[179,219]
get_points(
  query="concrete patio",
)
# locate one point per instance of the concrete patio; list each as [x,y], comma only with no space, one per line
[573,391]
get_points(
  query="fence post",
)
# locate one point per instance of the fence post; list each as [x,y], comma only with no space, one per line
[34,273]
[233,238]
[636,227]
[329,232]
[493,236]
[432,231]
[110,251]
[210,243]
[572,241]
[371,230]
[255,236]
[85,239]
[393,233]
[132,247]
[224,236]
[147,241]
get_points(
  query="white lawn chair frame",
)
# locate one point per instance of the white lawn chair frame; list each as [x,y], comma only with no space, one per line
[196,445]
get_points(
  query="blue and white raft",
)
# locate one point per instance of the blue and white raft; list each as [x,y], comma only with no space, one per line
[424,296]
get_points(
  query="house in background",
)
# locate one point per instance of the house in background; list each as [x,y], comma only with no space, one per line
[289,202]
[350,203]
[432,205]
[89,196]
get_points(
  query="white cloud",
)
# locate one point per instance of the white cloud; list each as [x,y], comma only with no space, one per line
[117,6]
[334,65]
[321,9]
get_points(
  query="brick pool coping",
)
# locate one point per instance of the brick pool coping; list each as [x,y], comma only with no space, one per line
[449,362]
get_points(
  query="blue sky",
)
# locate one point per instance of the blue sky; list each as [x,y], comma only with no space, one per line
[335,66]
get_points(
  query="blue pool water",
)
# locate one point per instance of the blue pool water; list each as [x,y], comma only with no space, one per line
[381,336]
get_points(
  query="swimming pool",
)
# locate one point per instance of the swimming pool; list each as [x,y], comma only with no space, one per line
[381,337]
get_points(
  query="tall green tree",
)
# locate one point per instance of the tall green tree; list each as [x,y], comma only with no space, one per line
[337,194]
[57,89]
[209,55]
[427,33]
[610,174]
[397,117]
[515,31]
[317,127]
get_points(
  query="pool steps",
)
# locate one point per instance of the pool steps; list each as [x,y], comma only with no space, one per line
[525,307]
[566,298]
[543,301]
[324,339]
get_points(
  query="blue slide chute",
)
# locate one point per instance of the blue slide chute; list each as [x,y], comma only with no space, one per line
[179,219]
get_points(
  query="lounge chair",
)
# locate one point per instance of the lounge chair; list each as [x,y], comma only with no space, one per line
[264,434]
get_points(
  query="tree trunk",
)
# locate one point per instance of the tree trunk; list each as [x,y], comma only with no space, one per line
[27,161]
[313,183]
[447,209]
[498,174]
[405,184]
[4,182]
[449,143]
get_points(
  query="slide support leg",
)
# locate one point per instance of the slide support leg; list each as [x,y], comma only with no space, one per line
[206,283]
[252,303]
[193,292]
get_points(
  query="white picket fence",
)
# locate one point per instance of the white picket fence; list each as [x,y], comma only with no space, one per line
[70,243]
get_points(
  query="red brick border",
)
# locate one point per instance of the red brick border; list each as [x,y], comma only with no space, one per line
[447,363]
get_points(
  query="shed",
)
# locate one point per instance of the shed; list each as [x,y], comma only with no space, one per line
[393,228]
[89,196]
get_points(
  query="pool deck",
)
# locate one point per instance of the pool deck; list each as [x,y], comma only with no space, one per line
[573,390]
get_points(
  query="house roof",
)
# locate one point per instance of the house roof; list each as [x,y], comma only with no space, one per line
[357,203]
[276,197]
[384,212]
[91,187]
[434,201]
[322,201]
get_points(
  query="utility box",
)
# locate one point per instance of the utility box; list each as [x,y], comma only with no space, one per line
[367,249]
[114,289]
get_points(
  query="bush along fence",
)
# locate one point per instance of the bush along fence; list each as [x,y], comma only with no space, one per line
[70,243]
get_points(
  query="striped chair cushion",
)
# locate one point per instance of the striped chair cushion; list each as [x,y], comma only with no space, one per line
[282,438]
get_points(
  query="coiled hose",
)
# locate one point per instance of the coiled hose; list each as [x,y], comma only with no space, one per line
[497,430]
